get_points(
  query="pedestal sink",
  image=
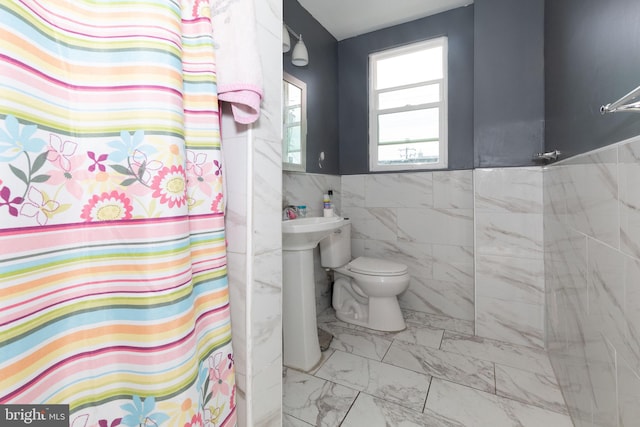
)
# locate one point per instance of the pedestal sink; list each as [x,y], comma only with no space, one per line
[300,336]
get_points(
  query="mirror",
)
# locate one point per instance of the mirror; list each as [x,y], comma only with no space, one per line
[294,124]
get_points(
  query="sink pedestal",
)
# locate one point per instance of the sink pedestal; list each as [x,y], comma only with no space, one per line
[299,325]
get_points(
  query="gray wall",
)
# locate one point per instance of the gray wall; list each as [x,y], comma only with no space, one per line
[508,82]
[321,77]
[496,83]
[591,58]
[353,64]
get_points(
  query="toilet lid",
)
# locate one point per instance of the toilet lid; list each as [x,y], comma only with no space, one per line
[376,266]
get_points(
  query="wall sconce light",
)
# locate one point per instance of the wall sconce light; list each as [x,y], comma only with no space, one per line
[300,55]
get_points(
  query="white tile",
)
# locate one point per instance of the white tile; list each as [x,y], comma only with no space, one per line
[573,377]
[464,406]
[526,358]
[510,321]
[632,311]
[236,271]
[269,15]
[629,176]
[628,394]
[235,164]
[399,189]
[510,279]
[372,223]
[453,264]
[308,189]
[509,234]
[454,367]
[328,320]
[601,366]
[566,260]
[439,297]
[438,322]
[607,297]
[572,366]
[358,247]
[324,356]
[531,388]
[414,333]
[369,411]
[592,195]
[553,192]
[353,190]
[391,383]
[315,401]
[241,405]
[327,316]
[358,341]
[440,226]
[420,335]
[290,421]
[267,288]
[267,195]
[267,410]
[453,189]
[508,190]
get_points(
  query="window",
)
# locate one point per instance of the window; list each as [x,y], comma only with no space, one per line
[408,107]
[294,124]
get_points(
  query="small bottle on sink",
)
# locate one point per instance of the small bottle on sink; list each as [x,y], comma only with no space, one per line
[328,206]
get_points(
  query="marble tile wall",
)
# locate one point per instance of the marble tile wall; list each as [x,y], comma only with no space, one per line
[592,273]
[254,243]
[509,266]
[424,220]
[308,188]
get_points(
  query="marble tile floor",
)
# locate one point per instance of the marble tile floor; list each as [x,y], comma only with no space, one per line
[434,373]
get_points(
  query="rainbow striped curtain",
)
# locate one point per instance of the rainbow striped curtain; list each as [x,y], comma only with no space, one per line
[114,296]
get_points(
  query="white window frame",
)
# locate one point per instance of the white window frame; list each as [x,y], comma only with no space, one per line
[374,111]
[286,165]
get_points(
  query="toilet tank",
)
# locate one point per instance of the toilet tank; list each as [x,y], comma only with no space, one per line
[335,249]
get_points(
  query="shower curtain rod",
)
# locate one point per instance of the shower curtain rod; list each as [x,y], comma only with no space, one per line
[622,103]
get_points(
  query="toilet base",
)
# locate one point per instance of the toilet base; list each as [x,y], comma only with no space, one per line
[383,315]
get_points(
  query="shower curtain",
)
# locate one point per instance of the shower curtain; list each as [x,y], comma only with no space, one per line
[114,296]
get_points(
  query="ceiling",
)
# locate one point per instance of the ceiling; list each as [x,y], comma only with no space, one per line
[349,18]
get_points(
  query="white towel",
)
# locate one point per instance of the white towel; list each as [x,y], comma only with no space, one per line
[237,60]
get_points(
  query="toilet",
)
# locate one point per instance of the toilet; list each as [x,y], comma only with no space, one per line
[365,290]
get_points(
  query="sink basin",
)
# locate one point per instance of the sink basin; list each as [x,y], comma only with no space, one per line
[306,233]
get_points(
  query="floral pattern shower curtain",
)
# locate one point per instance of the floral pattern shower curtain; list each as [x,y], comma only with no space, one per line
[113,288]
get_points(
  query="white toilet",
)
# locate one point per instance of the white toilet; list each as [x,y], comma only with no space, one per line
[365,290]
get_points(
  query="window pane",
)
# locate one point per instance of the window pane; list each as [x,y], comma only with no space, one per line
[409,68]
[421,152]
[408,126]
[293,147]
[293,115]
[406,97]
[293,94]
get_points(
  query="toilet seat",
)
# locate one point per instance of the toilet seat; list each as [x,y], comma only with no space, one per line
[376,267]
